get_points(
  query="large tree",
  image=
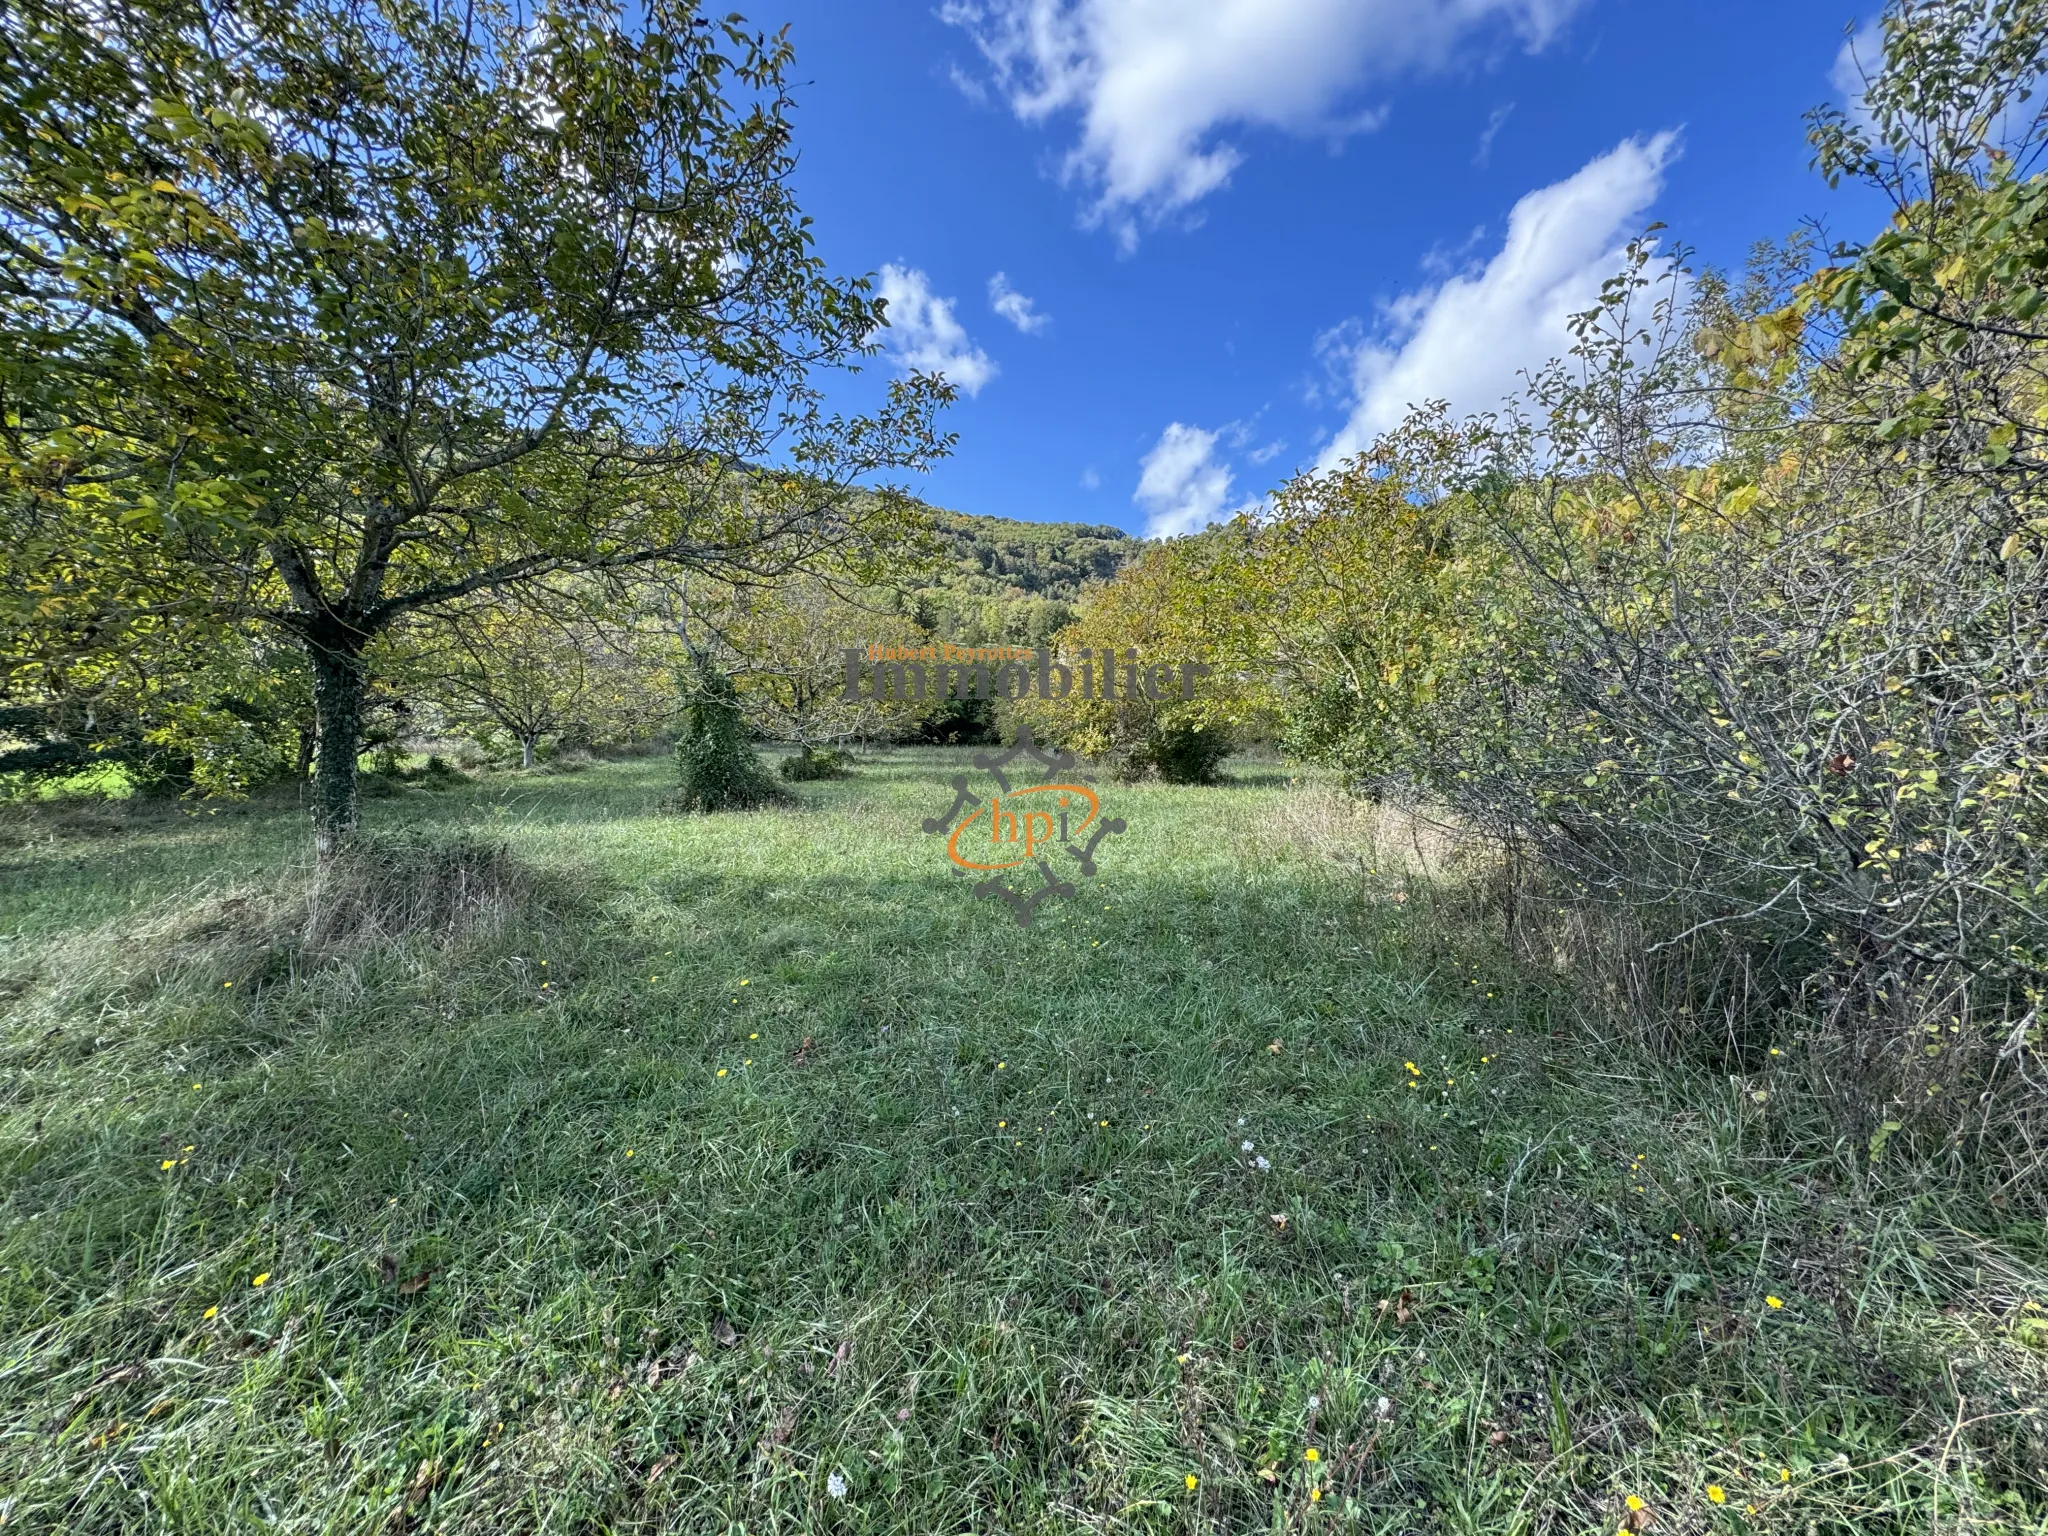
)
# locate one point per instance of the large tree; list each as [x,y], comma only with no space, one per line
[334,311]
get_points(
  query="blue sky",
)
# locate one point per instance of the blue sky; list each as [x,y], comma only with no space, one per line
[1234,237]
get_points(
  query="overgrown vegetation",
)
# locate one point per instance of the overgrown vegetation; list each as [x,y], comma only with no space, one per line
[720,769]
[1735,632]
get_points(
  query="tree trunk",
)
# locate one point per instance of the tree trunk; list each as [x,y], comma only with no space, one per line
[526,750]
[309,741]
[338,704]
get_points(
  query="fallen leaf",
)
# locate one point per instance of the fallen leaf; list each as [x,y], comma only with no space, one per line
[723,1333]
[1273,1049]
[661,1466]
[413,1285]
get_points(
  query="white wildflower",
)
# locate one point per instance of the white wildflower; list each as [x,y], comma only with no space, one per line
[1262,1165]
[836,1484]
[1383,1409]
[1244,1146]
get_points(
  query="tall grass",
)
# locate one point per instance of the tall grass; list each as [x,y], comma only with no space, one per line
[745,1172]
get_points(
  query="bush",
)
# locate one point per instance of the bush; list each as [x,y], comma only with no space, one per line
[720,770]
[960,722]
[818,763]
[1185,751]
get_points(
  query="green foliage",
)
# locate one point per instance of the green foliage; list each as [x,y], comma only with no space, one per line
[1737,627]
[1185,751]
[719,768]
[808,766]
[223,217]
[995,581]
[960,722]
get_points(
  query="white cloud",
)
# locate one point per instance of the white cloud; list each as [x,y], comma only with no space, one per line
[1181,485]
[924,335]
[1014,307]
[1155,82]
[1490,132]
[1469,338]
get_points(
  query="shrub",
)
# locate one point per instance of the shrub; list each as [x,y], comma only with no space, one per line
[815,763]
[720,770]
[1185,751]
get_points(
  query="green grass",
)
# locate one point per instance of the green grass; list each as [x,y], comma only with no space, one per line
[752,1155]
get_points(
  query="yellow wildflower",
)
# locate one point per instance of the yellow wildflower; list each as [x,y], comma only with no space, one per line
[1716,1493]
[1193,1481]
[1774,1302]
[260,1279]
[1311,1454]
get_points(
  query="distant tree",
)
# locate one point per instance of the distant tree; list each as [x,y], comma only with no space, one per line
[331,312]
[785,648]
[540,669]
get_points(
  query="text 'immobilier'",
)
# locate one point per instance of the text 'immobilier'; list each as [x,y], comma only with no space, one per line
[1008,672]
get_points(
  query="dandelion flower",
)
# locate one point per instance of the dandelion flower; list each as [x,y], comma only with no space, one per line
[629,1151]
[1000,1065]
[211,1312]
[1774,1302]
[1193,1482]
[1002,1125]
[1784,1474]
[721,1071]
[1676,1238]
[167,1164]
[1716,1494]
[1311,1454]
[1413,1070]
[1315,1495]
[1635,1505]
[260,1279]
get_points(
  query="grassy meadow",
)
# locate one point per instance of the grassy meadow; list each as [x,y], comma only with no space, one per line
[745,1173]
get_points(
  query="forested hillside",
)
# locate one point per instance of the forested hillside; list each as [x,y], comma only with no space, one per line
[999,581]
